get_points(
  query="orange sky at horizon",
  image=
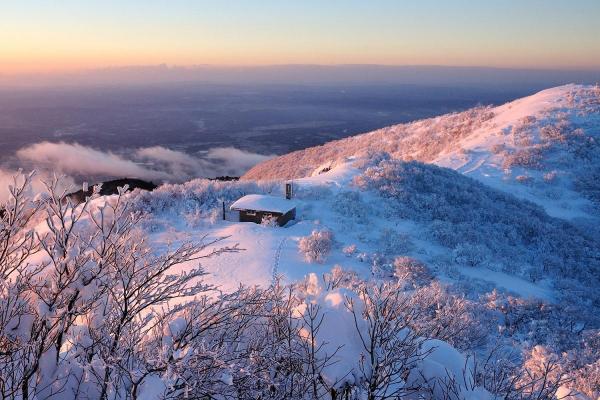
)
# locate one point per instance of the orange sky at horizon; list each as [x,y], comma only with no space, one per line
[45,37]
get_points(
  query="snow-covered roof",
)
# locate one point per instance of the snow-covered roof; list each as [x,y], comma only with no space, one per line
[262,202]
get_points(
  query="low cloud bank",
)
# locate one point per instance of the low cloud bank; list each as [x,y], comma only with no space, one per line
[157,163]
[81,160]
[234,161]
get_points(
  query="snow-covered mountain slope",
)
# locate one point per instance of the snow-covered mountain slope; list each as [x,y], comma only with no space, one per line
[378,209]
[543,148]
[489,212]
[496,267]
[382,248]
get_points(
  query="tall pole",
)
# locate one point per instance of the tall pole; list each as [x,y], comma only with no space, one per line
[223,210]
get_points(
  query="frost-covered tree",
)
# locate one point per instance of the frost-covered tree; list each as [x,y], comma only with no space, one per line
[411,271]
[316,246]
[391,349]
[73,316]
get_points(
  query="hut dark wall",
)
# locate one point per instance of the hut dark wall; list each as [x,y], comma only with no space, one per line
[257,216]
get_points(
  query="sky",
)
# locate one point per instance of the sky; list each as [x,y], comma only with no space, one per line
[41,36]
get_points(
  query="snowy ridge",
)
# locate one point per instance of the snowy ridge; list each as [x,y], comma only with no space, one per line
[543,148]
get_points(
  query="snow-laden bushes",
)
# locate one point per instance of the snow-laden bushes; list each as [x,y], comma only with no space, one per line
[392,243]
[412,271]
[450,317]
[81,293]
[581,365]
[198,197]
[480,223]
[586,182]
[586,380]
[470,254]
[422,140]
[316,246]
[530,157]
[350,203]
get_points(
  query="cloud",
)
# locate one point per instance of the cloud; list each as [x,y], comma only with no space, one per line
[214,162]
[160,164]
[181,165]
[234,161]
[156,163]
[85,161]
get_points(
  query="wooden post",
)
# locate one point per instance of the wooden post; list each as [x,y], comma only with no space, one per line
[223,211]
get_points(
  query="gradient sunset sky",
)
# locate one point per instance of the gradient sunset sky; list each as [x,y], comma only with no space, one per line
[45,35]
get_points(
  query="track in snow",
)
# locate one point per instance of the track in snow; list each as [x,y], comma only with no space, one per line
[277,258]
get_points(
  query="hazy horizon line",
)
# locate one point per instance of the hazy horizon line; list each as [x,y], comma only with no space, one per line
[301,73]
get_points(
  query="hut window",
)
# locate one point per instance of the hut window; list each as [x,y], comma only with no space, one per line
[248,212]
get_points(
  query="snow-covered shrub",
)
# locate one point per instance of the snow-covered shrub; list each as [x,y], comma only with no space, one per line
[444,232]
[498,148]
[554,326]
[561,132]
[380,267]
[586,380]
[316,246]
[350,205]
[541,376]
[390,347]
[470,254]
[412,271]
[193,219]
[349,250]
[581,364]
[449,317]
[341,278]
[369,158]
[525,179]
[528,120]
[529,157]
[392,243]
[586,182]
[550,177]
[214,215]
